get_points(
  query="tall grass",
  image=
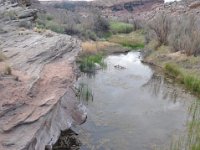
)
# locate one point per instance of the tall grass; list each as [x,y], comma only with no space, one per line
[173,70]
[84,93]
[191,82]
[120,27]
[191,140]
[93,47]
[134,40]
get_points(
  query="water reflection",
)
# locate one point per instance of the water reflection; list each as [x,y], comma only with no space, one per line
[191,139]
[158,86]
[84,93]
[133,108]
[154,85]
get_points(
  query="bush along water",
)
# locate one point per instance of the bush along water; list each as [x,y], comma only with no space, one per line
[89,63]
[190,82]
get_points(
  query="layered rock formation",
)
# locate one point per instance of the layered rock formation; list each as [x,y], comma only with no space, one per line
[37,99]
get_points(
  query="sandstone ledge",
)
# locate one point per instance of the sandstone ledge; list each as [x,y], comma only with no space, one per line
[37,101]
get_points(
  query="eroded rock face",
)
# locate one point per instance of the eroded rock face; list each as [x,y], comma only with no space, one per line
[37,101]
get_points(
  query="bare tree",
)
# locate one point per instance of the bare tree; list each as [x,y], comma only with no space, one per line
[186,35]
[161,25]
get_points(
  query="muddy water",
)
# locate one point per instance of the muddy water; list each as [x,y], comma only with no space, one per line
[133,108]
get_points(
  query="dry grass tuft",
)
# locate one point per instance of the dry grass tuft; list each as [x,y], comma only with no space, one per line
[39,30]
[7,70]
[92,47]
[133,40]
[2,57]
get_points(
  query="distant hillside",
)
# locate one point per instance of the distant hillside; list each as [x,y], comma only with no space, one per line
[116,2]
[106,2]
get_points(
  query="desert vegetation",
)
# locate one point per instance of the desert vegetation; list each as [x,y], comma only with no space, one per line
[134,40]
[186,37]
[160,26]
[87,26]
[180,33]
[190,81]
[120,27]
[92,47]
[168,37]
[90,62]
[190,141]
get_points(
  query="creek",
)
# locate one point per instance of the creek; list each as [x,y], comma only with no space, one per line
[132,107]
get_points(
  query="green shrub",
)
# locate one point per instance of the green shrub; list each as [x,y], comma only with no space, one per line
[91,35]
[172,70]
[56,27]
[106,35]
[192,83]
[45,21]
[88,62]
[133,46]
[49,18]
[120,27]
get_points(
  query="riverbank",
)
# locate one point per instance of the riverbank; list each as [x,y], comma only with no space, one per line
[91,57]
[183,69]
[180,67]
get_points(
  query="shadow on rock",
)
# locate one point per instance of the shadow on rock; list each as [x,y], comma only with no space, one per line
[68,141]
